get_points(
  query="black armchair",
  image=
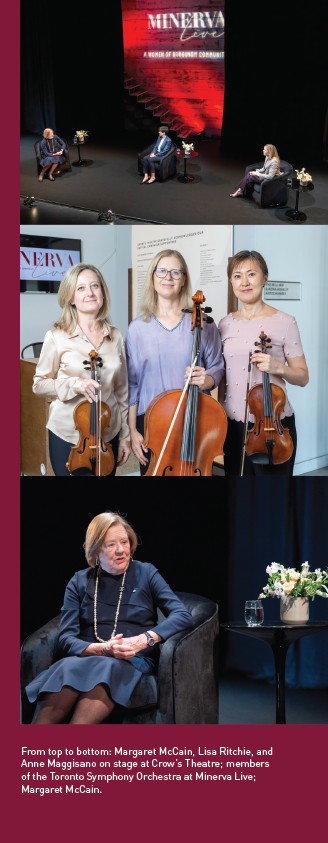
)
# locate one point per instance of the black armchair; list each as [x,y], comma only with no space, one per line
[64,163]
[166,167]
[271,191]
[186,687]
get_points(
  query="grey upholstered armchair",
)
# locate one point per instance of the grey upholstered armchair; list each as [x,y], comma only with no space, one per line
[271,191]
[186,687]
[166,167]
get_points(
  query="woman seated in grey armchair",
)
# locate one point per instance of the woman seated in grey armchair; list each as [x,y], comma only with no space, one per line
[270,169]
[52,150]
[109,632]
[162,146]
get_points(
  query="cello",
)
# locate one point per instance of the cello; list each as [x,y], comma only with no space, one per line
[268,442]
[184,429]
[91,456]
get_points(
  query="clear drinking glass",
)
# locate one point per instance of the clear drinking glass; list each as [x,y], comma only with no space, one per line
[254,612]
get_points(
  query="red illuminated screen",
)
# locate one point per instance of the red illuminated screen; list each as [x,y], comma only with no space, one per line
[174,51]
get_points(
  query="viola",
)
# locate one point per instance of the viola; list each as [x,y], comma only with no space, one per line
[185,429]
[268,442]
[91,456]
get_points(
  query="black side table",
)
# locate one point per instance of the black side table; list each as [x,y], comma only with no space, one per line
[295,215]
[81,162]
[279,637]
[181,154]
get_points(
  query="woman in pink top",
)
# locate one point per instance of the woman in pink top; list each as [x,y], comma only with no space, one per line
[239,331]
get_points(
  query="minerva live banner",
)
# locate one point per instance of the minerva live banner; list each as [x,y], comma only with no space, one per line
[174,50]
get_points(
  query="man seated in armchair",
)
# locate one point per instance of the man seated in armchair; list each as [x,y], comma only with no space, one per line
[162,146]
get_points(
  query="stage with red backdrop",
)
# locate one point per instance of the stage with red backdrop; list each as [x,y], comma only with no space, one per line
[174,61]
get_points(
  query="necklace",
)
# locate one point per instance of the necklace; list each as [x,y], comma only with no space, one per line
[102,640]
[256,316]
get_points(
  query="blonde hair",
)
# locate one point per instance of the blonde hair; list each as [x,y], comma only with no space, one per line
[96,533]
[273,152]
[47,133]
[68,319]
[149,298]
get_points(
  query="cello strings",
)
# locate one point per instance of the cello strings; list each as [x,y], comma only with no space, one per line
[175,416]
[99,423]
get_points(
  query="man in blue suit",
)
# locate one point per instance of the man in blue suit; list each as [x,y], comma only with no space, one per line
[162,146]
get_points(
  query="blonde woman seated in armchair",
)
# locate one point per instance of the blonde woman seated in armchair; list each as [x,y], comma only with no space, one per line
[52,150]
[270,169]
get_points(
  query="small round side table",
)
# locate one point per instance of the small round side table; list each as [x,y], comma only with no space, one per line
[279,636]
[81,162]
[295,215]
[181,154]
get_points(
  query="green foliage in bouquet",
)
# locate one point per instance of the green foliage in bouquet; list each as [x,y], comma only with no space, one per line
[286,582]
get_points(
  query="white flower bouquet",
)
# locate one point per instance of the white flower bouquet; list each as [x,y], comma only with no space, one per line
[303,176]
[188,147]
[288,583]
[81,135]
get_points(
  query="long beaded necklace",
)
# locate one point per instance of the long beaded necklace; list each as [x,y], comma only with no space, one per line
[49,146]
[102,640]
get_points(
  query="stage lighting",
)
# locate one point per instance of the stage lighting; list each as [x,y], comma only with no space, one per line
[29,201]
[107,216]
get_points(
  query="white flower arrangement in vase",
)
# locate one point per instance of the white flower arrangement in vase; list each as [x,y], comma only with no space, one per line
[188,147]
[81,134]
[303,176]
[294,590]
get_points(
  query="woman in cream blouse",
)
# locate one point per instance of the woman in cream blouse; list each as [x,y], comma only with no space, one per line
[248,273]
[84,325]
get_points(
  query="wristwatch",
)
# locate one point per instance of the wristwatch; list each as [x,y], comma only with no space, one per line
[150,640]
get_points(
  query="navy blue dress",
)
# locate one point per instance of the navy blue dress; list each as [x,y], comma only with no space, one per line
[144,592]
[49,145]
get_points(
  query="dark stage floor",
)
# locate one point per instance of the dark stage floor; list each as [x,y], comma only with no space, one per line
[248,701]
[112,182]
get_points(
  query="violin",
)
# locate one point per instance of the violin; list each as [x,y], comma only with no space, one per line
[91,456]
[184,429]
[268,442]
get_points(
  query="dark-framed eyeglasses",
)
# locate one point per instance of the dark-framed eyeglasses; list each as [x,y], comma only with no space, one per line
[176,274]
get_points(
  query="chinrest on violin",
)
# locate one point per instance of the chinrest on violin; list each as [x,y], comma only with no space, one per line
[185,430]
[91,456]
[268,442]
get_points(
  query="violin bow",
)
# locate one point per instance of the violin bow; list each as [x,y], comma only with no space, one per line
[248,388]
[176,413]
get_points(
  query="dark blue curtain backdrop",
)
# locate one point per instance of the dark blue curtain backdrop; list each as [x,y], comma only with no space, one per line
[276,86]
[284,522]
[72,69]
[37,82]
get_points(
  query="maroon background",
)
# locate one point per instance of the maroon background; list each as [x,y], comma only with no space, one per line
[285,798]
[288,799]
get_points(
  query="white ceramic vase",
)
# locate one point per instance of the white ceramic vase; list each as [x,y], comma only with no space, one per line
[295,611]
